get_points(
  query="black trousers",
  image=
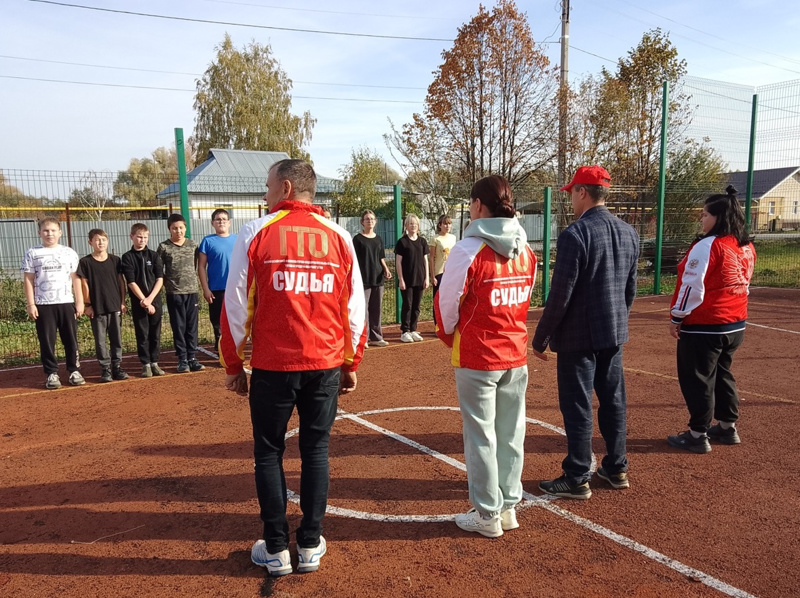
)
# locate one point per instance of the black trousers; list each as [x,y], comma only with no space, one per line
[705,377]
[148,331]
[436,290]
[183,321]
[273,398]
[215,315]
[409,312]
[60,318]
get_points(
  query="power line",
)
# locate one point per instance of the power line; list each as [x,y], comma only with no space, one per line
[193,90]
[719,37]
[233,24]
[332,12]
[592,54]
[127,68]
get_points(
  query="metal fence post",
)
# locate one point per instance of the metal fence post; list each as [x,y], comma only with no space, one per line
[69,223]
[662,177]
[182,180]
[748,202]
[398,232]
[548,195]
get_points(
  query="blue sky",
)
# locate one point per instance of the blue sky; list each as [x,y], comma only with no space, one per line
[65,126]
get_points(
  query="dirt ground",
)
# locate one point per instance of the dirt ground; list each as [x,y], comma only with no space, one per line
[145,487]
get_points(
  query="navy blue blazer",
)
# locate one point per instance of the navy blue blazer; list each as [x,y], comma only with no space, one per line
[593,285]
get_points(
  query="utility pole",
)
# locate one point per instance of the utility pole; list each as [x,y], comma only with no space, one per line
[563,95]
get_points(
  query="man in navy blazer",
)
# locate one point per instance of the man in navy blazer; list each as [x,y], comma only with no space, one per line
[585,321]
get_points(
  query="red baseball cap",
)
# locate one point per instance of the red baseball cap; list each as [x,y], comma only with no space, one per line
[589,175]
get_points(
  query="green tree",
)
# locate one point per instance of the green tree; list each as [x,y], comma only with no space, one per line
[145,177]
[365,170]
[695,171]
[243,101]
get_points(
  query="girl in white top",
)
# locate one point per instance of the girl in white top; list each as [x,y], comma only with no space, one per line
[442,245]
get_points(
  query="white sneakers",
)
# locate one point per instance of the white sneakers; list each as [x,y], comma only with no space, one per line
[308,558]
[281,563]
[380,343]
[472,521]
[52,382]
[508,519]
[75,379]
[410,337]
[276,564]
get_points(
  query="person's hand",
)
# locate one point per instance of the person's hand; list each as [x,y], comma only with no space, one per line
[123,309]
[209,297]
[388,274]
[151,310]
[674,330]
[434,282]
[145,303]
[402,284]
[347,382]
[33,311]
[79,309]
[427,284]
[237,383]
[88,311]
[540,355]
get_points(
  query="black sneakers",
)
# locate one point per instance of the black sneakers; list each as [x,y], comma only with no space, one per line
[618,481]
[105,376]
[564,488]
[687,442]
[196,366]
[719,434]
[119,374]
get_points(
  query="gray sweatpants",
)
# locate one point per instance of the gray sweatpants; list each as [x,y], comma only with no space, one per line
[493,414]
[107,325]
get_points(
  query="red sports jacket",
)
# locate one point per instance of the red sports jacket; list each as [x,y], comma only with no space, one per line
[482,306]
[294,289]
[713,284]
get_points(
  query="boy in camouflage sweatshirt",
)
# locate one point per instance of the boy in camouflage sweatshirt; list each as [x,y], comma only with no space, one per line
[179,256]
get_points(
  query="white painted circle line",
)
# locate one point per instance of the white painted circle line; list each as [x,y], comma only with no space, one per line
[545,502]
[772,328]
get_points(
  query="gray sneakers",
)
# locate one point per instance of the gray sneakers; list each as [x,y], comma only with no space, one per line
[719,434]
[618,481]
[687,442]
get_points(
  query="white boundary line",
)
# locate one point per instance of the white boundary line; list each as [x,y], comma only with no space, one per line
[771,328]
[544,502]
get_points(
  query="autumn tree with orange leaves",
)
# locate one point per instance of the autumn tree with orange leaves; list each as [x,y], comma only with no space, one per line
[490,109]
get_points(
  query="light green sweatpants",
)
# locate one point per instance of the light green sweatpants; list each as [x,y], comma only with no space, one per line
[493,413]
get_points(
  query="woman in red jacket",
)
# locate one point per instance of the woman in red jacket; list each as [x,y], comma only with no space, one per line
[481,308]
[709,313]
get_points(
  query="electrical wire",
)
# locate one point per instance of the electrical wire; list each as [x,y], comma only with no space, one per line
[127,68]
[234,24]
[194,90]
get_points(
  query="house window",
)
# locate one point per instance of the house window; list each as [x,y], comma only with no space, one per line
[795,207]
[771,208]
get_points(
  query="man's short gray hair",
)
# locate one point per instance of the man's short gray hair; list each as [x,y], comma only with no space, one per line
[300,173]
[596,192]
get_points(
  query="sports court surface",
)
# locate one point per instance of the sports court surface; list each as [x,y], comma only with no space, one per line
[145,487]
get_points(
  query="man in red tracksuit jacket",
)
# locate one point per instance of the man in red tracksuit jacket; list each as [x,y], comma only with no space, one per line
[294,289]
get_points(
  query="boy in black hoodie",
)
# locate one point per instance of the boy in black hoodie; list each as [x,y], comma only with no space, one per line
[144,274]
